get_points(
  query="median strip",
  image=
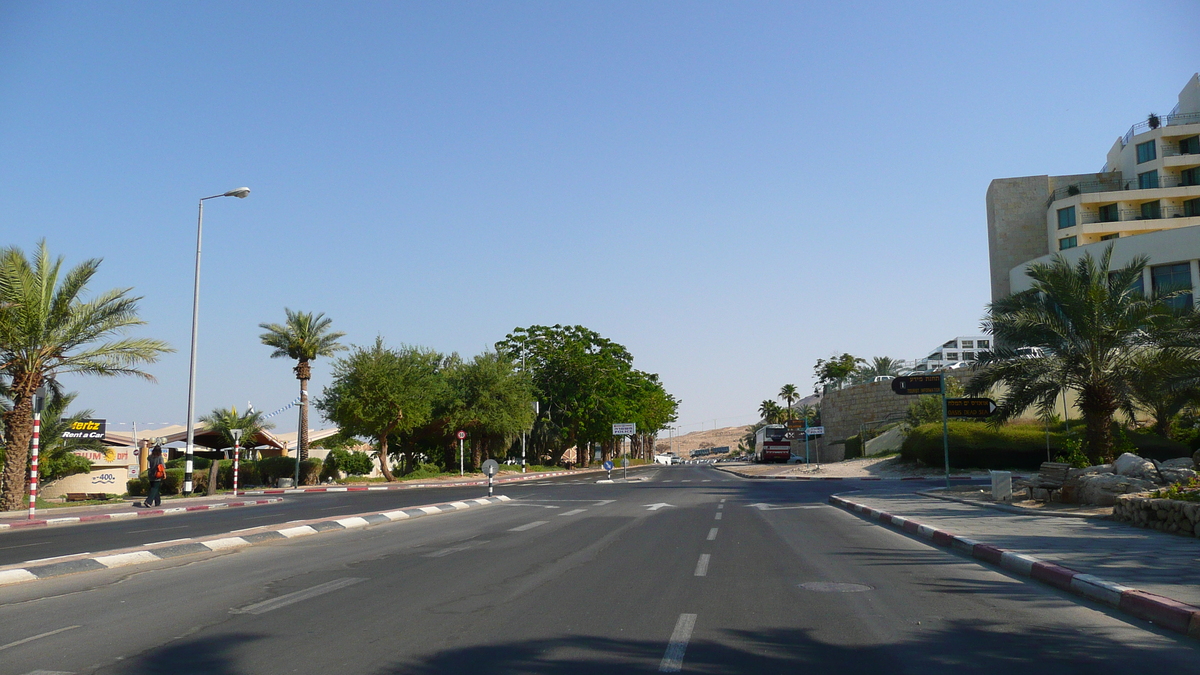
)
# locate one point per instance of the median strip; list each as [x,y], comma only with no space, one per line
[86,562]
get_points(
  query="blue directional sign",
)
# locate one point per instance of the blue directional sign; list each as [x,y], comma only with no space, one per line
[608,466]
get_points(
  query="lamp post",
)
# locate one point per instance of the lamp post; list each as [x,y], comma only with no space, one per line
[240,193]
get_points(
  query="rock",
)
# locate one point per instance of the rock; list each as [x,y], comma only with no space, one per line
[1196,458]
[1178,463]
[1102,488]
[1178,475]
[1133,466]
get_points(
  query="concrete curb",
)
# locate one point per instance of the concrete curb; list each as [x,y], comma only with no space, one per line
[1163,611]
[55,567]
[412,486]
[123,515]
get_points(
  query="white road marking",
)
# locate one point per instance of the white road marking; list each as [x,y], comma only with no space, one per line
[720,506]
[537,506]
[36,637]
[572,512]
[685,481]
[706,480]
[668,481]
[36,543]
[454,549]
[718,516]
[712,534]
[722,500]
[672,661]
[702,565]
[49,672]
[292,598]
[528,526]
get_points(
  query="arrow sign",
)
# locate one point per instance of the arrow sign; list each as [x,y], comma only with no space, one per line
[970,407]
[655,507]
[917,384]
[767,507]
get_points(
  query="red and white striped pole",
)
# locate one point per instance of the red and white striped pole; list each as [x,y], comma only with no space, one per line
[237,451]
[33,468]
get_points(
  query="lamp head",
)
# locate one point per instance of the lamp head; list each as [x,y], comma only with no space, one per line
[240,193]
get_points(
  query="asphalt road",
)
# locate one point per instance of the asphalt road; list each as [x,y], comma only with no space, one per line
[733,576]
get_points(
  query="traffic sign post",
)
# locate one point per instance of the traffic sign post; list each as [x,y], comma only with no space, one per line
[608,466]
[490,468]
[628,429]
[461,470]
[237,451]
[918,385]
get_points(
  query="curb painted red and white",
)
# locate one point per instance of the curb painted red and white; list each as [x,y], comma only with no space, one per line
[1163,611]
[847,478]
[88,562]
[124,515]
[412,486]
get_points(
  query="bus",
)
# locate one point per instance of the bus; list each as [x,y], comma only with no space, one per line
[770,445]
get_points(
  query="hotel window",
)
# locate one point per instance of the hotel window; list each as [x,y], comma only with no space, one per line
[985,344]
[1106,237]
[1190,176]
[1151,211]
[951,356]
[1191,207]
[1145,152]
[1066,243]
[1109,214]
[1066,217]
[1148,180]
[1177,277]
[968,344]
[1190,146]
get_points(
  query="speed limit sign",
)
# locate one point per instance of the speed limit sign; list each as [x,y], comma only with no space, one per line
[461,435]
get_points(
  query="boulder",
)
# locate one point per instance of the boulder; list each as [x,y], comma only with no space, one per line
[1179,463]
[1196,458]
[1177,475]
[1102,488]
[1133,466]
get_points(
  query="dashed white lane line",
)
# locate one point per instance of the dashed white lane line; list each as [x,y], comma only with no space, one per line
[39,636]
[712,534]
[706,480]
[292,598]
[685,481]
[672,661]
[572,512]
[722,500]
[718,515]
[528,526]
[702,565]
[720,506]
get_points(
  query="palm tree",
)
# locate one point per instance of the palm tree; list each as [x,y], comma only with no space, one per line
[303,337]
[809,412]
[770,411]
[788,393]
[224,420]
[47,328]
[879,365]
[1090,322]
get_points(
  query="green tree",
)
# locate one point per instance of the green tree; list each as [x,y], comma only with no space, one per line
[770,411]
[303,337]
[1159,391]
[56,455]
[810,412]
[789,394]
[489,398]
[879,366]
[832,372]
[47,327]
[377,392]
[225,420]
[1090,322]
[928,408]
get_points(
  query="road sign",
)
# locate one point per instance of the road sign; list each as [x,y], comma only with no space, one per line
[608,466]
[490,467]
[917,384]
[461,435]
[815,431]
[793,435]
[795,424]
[624,429]
[970,407]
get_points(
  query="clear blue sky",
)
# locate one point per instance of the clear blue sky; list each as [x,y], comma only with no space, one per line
[731,190]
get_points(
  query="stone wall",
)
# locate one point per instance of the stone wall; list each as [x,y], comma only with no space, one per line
[1167,515]
[844,412]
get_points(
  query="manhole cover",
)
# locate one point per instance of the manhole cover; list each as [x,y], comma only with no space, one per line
[834,587]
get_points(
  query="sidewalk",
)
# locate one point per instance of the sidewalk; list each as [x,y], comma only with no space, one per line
[1123,559]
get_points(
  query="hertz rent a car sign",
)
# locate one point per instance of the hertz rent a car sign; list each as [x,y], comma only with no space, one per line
[86,429]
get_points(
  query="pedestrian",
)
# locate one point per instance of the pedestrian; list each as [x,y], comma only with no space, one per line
[156,471]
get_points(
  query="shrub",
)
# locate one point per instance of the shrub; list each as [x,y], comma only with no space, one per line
[272,469]
[197,463]
[347,462]
[423,471]
[1073,454]
[310,471]
[140,486]
[854,447]
[980,446]
[247,474]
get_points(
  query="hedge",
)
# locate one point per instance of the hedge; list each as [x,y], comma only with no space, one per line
[975,445]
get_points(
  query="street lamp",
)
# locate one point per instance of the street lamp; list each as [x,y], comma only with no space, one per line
[240,193]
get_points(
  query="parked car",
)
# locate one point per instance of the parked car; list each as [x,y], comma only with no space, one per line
[958,365]
[882,378]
